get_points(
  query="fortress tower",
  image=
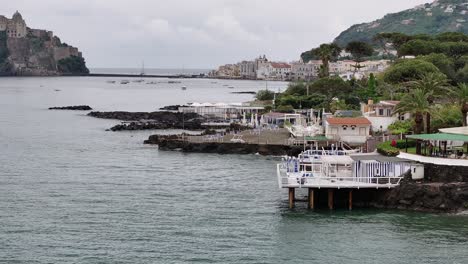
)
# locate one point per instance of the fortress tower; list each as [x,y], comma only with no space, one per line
[14,27]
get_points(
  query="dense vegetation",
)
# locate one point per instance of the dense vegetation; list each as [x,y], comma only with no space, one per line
[431,85]
[72,65]
[4,65]
[431,19]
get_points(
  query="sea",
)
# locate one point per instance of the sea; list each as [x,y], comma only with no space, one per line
[72,192]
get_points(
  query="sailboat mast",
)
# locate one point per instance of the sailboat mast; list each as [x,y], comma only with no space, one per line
[142,68]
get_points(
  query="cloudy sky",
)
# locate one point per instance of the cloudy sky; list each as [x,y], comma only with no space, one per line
[196,33]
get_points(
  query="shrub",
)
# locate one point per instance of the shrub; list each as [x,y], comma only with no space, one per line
[264,95]
[401,127]
[386,149]
[285,109]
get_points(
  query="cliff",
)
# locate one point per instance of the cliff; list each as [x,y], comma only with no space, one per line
[431,18]
[34,52]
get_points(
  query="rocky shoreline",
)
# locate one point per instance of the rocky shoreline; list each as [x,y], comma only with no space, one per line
[73,107]
[152,120]
[174,142]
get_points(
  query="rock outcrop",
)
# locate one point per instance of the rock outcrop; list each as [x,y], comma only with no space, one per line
[174,142]
[152,120]
[74,107]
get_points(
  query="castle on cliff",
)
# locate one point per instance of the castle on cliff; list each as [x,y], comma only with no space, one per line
[14,27]
[35,51]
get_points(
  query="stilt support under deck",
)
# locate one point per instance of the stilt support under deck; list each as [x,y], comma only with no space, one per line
[311,199]
[292,194]
[350,202]
[330,198]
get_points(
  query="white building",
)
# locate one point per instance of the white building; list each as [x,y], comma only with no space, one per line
[281,70]
[247,70]
[305,71]
[351,130]
[382,115]
[221,110]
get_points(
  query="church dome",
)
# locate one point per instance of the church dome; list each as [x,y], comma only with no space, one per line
[17,16]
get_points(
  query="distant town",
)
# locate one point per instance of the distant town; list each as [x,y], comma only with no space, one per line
[262,68]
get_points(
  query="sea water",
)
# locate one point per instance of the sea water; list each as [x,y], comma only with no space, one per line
[70,192]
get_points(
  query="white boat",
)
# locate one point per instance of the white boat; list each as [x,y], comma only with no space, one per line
[124,82]
[184,88]
[110,81]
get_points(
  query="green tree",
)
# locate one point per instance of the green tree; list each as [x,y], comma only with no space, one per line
[372,87]
[406,70]
[446,115]
[419,47]
[452,37]
[359,50]
[395,39]
[444,63]
[432,84]
[416,103]
[326,53]
[265,95]
[460,94]
[400,127]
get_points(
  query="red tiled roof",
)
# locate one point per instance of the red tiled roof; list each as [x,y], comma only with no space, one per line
[348,121]
[280,65]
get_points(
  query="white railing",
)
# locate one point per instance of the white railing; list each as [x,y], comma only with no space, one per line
[316,180]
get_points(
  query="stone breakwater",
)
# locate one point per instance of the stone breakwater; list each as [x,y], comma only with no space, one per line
[175,142]
[152,120]
[73,107]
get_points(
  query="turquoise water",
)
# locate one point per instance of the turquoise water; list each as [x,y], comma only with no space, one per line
[72,193]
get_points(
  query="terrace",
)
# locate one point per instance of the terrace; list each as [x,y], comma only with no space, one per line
[450,147]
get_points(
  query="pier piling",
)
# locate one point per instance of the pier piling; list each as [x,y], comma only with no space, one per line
[311,199]
[292,194]
[350,202]
[330,198]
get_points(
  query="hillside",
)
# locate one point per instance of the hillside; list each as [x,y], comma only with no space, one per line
[431,18]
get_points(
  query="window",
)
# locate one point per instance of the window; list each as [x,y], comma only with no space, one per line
[389,112]
[381,112]
[345,127]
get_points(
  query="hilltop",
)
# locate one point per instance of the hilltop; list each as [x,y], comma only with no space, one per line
[431,18]
[35,52]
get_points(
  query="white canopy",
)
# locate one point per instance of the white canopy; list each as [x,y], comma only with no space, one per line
[339,160]
[455,130]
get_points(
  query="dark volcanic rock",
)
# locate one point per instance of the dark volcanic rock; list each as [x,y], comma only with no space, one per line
[74,107]
[171,107]
[174,142]
[152,120]
[437,173]
[246,92]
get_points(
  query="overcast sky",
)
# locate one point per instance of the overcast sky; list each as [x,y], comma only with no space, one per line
[196,33]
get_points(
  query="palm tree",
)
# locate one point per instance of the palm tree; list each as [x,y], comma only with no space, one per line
[326,53]
[433,84]
[417,104]
[460,94]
